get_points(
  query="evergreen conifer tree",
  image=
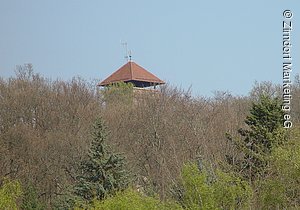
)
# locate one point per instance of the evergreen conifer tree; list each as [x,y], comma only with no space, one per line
[264,133]
[30,199]
[103,172]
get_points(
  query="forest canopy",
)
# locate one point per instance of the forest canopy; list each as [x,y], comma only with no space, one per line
[172,147]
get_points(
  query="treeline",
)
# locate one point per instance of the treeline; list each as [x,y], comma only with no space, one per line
[178,151]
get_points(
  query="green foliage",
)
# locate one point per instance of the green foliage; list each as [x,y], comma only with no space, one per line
[30,199]
[231,192]
[103,172]
[10,192]
[264,134]
[118,92]
[133,200]
[208,190]
[282,189]
[271,194]
[265,116]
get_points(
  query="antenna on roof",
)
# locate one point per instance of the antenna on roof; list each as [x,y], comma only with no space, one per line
[129,54]
[126,56]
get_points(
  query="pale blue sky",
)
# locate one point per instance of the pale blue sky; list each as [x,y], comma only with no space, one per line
[211,45]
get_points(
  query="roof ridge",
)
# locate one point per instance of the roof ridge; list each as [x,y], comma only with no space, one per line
[130,69]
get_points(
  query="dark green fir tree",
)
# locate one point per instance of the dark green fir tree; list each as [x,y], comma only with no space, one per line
[103,172]
[264,132]
[30,199]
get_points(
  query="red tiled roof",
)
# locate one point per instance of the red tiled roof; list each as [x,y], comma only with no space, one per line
[131,72]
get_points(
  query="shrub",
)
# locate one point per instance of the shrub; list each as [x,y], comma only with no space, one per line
[206,189]
[10,192]
[133,200]
[281,188]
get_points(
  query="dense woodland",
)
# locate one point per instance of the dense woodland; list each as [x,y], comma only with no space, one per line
[72,145]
